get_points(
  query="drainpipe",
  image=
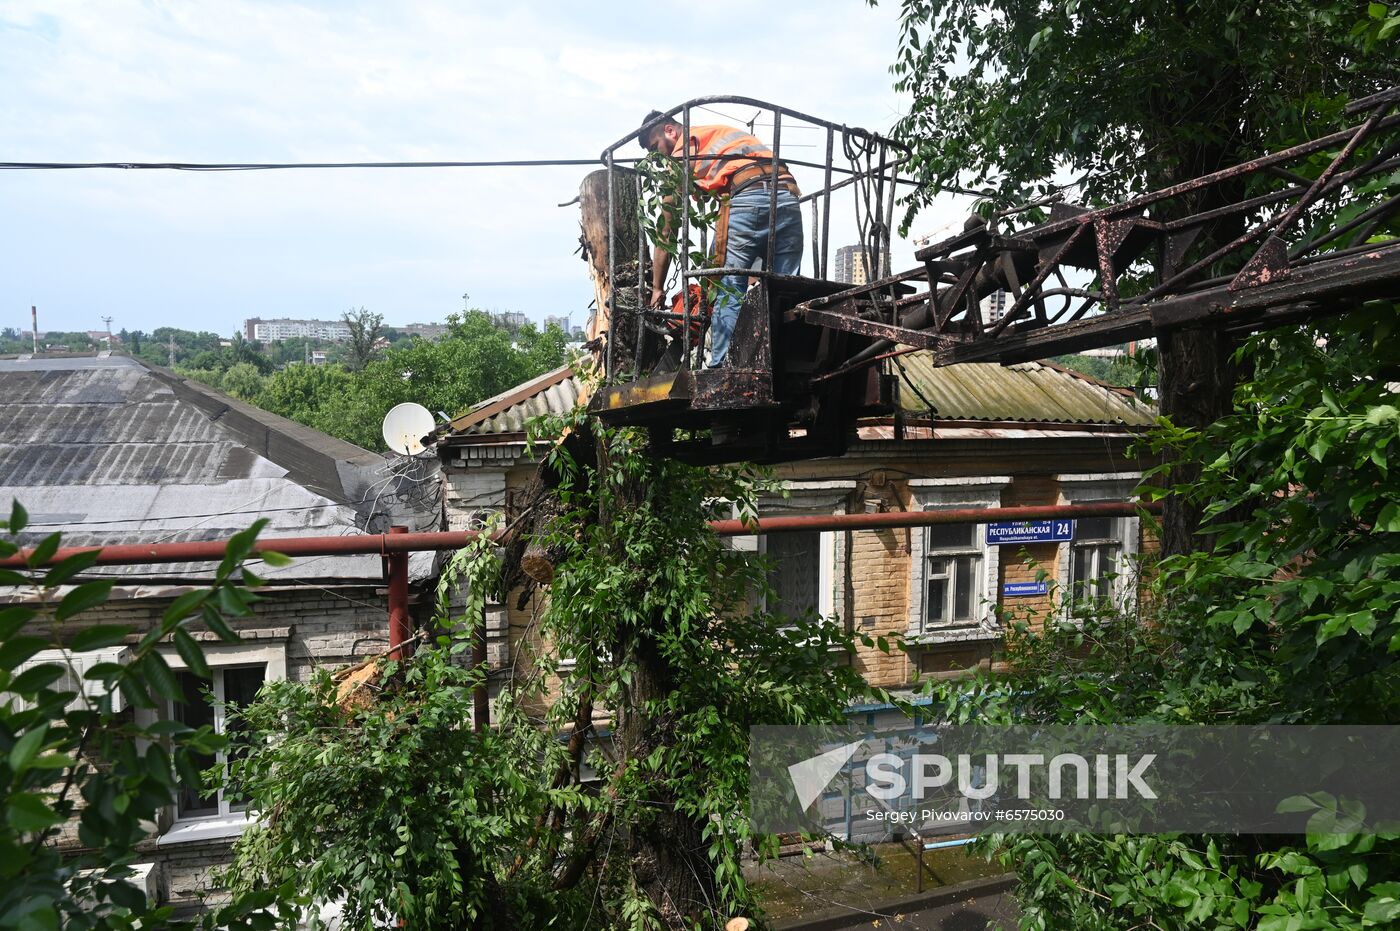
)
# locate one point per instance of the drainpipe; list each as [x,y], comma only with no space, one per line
[396,573]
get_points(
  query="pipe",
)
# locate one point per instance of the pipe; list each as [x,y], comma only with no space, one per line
[396,574]
[385,544]
[889,519]
[939,845]
[961,842]
[213,550]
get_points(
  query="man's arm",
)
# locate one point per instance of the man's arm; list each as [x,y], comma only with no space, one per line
[661,259]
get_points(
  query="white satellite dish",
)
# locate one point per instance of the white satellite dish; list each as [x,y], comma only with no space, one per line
[405,426]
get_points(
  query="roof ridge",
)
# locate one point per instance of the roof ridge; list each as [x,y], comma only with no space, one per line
[1123,390]
[492,406]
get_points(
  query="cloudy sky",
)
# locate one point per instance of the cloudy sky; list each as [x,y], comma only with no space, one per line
[416,80]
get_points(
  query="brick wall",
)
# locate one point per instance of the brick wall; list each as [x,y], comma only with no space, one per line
[878,572]
[319,627]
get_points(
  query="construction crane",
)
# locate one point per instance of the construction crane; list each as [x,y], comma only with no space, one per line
[807,353]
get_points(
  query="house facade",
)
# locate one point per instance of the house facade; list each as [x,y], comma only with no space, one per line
[111,451]
[972,435]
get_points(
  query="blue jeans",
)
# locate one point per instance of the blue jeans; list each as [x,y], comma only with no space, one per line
[747,247]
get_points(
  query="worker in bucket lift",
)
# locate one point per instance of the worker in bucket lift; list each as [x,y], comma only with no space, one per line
[738,167]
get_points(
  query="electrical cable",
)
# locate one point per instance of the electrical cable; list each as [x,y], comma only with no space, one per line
[274,166]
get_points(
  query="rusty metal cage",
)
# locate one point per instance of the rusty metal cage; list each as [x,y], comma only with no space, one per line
[1306,231]
[758,406]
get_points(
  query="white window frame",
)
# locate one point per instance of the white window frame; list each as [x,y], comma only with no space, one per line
[935,494]
[815,497]
[1100,487]
[75,667]
[826,570]
[272,656]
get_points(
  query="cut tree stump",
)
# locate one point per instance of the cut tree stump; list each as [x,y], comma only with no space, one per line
[626,245]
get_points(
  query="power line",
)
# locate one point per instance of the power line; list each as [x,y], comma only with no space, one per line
[272,166]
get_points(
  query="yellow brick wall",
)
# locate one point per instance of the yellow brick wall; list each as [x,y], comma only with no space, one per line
[879,562]
[880,602]
[1023,563]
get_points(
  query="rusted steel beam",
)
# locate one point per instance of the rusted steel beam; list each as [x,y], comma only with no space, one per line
[1137,204]
[1310,290]
[835,319]
[1060,339]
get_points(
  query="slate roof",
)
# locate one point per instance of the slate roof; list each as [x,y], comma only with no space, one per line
[110,450]
[1030,392]
[507,413]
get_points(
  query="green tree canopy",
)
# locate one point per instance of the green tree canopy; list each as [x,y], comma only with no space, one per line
[473,361]
[364,333]
[1126,95]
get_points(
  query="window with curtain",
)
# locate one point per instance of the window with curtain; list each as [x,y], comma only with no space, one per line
[952,575]
[206,703]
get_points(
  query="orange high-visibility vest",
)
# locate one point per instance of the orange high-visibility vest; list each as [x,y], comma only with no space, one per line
[712,173]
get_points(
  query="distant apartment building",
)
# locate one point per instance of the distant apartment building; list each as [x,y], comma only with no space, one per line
[267,331]
[425,330]
[995,306]
[853,265]
[511,318]
[561,322]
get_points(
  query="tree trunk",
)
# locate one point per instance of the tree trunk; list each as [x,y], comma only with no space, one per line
[1196,383]
[666,851]
[593,240]
[1196,378]
[530,555]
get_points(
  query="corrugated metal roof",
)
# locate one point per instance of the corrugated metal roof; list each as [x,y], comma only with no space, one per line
[1030,392]
[553,392]
[112,451]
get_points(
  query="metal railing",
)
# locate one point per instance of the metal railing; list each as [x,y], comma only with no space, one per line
[876,181]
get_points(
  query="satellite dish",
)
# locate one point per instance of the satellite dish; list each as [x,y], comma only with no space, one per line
[405,426]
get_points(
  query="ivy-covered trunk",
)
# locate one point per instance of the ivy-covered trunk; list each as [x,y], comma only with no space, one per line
[666,848]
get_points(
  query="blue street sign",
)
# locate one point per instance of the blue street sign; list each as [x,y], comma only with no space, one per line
[1024,589]
[1002,533]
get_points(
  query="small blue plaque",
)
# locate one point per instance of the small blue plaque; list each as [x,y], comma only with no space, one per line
[1024,589]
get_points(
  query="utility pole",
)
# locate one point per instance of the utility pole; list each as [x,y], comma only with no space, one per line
[466,298]
[108,321]
[171,347]
[34,326]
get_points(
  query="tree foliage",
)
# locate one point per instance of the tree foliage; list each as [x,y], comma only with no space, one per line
[1124,95]
[402,810]
[70,761]
[1292,620]
[398,809]
[474,360]
[1104,100]
[365,327]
